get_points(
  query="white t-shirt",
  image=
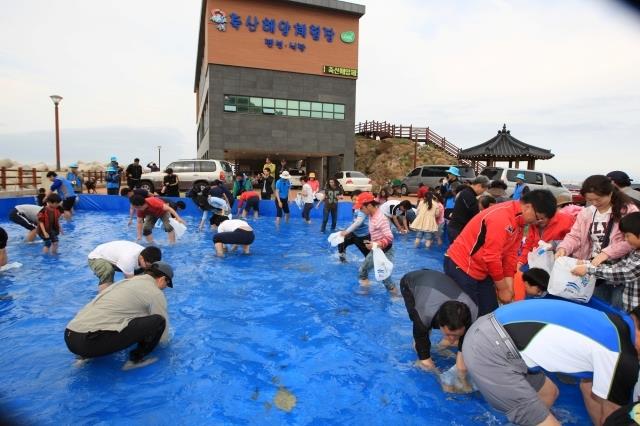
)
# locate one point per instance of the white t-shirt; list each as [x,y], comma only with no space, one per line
[123,254]
[233,224]
[307,193]
[387,207]
[598,229]
[30,211]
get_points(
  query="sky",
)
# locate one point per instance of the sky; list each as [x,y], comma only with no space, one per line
[560,75]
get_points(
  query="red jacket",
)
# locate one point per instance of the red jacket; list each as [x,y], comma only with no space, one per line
[488,244]
[155,208]
[559,226]
[46,215]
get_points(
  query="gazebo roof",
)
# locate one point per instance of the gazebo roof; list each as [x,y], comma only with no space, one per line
[505,146]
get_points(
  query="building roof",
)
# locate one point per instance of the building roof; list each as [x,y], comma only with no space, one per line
[335,5]
[503,145]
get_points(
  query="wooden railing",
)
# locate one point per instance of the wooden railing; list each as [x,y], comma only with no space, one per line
[23,178]
[19,178]
[421,134]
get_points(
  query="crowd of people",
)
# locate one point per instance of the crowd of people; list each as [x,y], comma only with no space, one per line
[509,331]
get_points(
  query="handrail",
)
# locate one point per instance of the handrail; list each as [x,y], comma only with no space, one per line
[421,134]
[31,178]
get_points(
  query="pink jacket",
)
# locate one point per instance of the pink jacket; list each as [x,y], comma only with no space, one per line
[578,244]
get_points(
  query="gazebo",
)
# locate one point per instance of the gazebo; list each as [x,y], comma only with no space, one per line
[504,147]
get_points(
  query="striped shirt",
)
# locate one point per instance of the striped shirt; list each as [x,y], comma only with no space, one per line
[379,229]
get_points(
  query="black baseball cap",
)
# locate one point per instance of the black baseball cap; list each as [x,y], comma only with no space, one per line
[620,178]
[165,269]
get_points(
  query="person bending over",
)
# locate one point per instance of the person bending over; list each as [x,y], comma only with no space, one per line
[231,231]
[151,209]
[26,215]
[133,311]
[122,256]
[435,301]
[508,351]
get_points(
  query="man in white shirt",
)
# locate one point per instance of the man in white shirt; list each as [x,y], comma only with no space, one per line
[26,215]
[131,311]
[122,256]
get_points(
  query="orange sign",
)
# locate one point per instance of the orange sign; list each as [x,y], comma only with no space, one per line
[280,36]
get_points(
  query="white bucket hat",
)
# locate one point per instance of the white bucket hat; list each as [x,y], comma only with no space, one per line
[285,175]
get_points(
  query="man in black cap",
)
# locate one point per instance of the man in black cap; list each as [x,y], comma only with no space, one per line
[623,182]
[131,311]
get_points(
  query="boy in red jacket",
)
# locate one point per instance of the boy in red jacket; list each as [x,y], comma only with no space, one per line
[483,259]
[49,223]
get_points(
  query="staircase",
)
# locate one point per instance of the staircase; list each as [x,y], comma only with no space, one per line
[384,130]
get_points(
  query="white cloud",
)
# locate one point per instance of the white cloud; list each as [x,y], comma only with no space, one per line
[562,75]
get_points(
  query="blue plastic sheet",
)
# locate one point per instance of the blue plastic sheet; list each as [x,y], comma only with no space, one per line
[116,203]
[289,319]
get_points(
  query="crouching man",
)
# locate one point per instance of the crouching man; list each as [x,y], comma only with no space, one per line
[506,350]
[435,301]
[132,311]
[150,210]
[122,256]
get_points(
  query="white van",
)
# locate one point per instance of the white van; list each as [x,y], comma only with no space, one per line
[534,179]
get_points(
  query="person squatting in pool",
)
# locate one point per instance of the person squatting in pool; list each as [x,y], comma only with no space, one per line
[123,256]
[132,311]
[231,231]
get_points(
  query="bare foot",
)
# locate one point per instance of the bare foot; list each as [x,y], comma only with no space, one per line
[364,282]
[130,365]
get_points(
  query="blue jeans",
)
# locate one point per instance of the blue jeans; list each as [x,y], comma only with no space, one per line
[367,266]
[483,292]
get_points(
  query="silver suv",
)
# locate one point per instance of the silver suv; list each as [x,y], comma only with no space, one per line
[190,172]
[431,175]
[534,179]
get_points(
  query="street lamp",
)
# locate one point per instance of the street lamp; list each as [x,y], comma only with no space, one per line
[56,100]
[159,148]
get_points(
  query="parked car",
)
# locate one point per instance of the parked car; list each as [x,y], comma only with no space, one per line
[576,196]
[431,175]
[534,179]
[189,172]
[296,174]
[350,180]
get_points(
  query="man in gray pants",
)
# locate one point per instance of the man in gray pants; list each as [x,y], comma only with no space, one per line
[506,352]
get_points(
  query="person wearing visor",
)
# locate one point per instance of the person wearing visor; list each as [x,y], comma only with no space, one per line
[520,189]
[132,311]
[450,189]
[380,237]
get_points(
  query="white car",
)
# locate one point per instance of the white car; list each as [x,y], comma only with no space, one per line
[296,174]
[190,172]
[350,180]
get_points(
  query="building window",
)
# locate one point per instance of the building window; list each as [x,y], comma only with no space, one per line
[284,107]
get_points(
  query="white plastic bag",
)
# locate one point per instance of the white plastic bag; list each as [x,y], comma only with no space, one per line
[336,238]
[319,196]
[568,286]
[381,265]
[541,258]
[299,201]
[178,228]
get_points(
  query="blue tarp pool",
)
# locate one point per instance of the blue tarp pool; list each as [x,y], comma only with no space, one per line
[281,336]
